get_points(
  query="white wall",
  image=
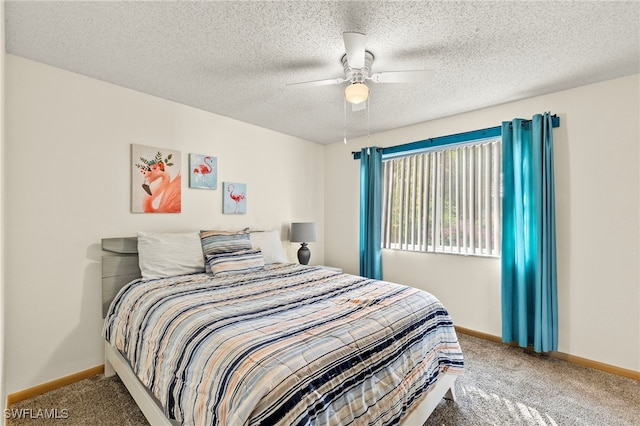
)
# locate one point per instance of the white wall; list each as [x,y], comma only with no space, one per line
[68,185]
[598,205]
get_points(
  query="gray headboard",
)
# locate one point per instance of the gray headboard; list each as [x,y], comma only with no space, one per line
[119,267]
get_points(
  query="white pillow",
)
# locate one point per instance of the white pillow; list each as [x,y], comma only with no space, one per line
[166,254]
[270,244]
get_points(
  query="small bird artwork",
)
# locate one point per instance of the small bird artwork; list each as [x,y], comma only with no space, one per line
[204,168]
[203,172]
[235,198]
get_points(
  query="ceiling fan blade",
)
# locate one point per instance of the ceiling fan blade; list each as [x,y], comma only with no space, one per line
[354,47]
[419,76]
[359,107]
[315,83]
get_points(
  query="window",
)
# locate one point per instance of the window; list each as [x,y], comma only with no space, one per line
[445,200]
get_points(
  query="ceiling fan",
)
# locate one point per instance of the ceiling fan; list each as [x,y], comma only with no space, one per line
[357,63]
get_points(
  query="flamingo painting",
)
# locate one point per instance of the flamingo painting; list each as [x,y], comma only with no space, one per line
[157,188]
[164,193]
[203,171]
[235,198]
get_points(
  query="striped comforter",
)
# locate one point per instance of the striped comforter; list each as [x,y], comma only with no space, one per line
[287,345]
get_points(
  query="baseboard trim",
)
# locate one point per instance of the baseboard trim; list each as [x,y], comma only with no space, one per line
[479,334]
[574,359]
[52,385]
[585,362]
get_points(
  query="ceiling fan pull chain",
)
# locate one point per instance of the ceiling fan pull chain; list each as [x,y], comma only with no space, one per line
[345,120]
[368,118]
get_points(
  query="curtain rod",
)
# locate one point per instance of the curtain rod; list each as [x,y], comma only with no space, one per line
[490,132]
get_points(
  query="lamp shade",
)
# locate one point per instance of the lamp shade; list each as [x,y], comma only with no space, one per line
[303,232]
[356,93]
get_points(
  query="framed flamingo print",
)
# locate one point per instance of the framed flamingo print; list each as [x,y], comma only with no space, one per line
[156,183]
[234,198]
[203,171]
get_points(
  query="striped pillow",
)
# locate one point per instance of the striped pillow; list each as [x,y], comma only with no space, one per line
[235,262]
[214,242]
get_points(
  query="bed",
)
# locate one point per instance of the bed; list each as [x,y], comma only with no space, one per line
[277,343]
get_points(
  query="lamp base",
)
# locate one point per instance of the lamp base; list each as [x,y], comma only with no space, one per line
[304,254]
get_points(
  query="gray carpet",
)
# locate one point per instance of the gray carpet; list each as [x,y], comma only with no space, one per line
[502,386]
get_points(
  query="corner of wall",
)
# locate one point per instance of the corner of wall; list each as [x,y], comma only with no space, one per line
[3,396]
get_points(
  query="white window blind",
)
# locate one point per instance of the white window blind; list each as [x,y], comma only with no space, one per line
[445,200]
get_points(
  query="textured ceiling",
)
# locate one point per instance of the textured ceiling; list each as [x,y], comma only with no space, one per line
[236,58]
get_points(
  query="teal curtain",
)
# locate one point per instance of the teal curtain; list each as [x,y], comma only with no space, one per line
[529,278]
[371,212]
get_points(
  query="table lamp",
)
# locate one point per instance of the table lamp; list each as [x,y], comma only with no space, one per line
[303,232]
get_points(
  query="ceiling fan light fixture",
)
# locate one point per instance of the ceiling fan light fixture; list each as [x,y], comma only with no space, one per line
[356,93]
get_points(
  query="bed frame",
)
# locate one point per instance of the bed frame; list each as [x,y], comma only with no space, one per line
[120,266]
